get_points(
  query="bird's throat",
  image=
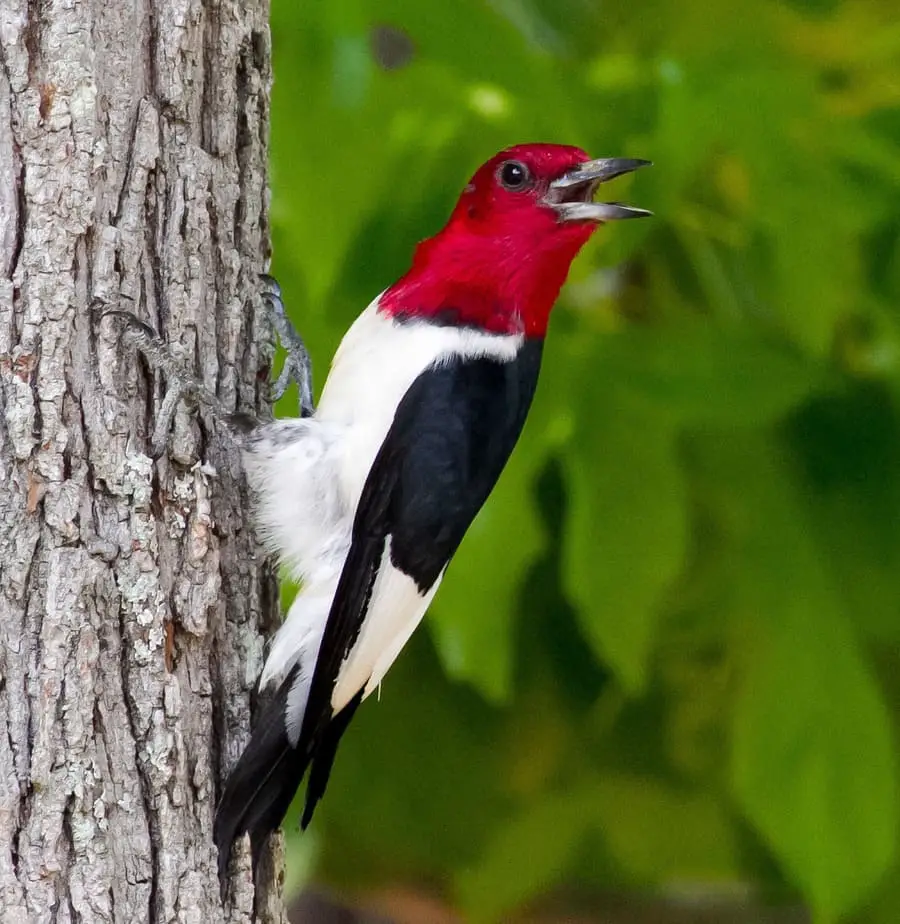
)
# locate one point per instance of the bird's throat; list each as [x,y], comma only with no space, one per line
[492,285]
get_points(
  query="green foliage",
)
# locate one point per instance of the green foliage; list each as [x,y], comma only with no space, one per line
[625,540]
[666,653]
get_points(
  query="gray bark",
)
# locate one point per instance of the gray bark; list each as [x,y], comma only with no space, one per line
[132,596]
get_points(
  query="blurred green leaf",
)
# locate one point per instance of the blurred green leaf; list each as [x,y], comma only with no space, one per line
[527,855]
[706,375]
[692,837]
[848,448]
[813,761]
[810,714]
[625,540]
[473,620]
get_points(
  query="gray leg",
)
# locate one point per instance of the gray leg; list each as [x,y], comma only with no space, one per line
[179,383]
[297,364]
[182,384]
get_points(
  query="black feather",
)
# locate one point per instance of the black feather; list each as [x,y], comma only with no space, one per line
[323,759]
[263,781]
[452,435]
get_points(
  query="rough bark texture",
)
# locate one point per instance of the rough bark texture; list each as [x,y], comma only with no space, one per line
[132,596]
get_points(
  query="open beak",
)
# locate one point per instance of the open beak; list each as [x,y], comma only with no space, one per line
[572,195]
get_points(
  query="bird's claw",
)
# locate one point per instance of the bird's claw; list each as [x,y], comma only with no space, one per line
[179,382]
[297,364]
[182,384]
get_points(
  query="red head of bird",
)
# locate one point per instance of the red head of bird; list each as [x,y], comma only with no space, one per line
[503,256]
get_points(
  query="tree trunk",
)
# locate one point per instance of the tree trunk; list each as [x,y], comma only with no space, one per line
[132,595]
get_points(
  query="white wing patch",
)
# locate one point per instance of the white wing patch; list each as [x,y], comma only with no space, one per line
[396,607]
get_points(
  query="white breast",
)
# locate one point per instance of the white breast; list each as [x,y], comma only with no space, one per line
[373,369]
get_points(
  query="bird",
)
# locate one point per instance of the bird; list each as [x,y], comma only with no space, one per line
[366,498]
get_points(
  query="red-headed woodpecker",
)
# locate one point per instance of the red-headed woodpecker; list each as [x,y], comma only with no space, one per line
[367,499]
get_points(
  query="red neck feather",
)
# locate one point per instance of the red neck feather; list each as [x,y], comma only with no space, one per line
[503,277]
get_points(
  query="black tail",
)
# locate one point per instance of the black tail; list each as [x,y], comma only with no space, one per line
[323,758]
[262,784]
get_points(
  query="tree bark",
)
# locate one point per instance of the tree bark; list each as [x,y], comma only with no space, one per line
[132,596]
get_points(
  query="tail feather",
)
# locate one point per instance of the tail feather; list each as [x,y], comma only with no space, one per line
[323,758]
[262,784]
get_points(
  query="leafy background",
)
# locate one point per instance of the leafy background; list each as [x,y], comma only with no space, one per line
[665,660]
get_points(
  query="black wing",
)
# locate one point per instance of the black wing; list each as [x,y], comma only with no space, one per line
[451,437]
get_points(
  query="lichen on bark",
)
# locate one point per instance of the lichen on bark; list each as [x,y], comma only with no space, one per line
[133,598]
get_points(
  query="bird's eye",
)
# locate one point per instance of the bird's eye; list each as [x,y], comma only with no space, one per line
[515,175]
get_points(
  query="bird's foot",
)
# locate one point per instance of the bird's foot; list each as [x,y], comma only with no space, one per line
[297,364]
[179,382]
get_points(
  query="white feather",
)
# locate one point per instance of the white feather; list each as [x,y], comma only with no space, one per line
[309,475]
[395,609]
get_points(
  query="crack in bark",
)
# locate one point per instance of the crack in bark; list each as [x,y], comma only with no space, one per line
[207,64]
[143,781]
[21,205]
[32,36]
[70,840]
